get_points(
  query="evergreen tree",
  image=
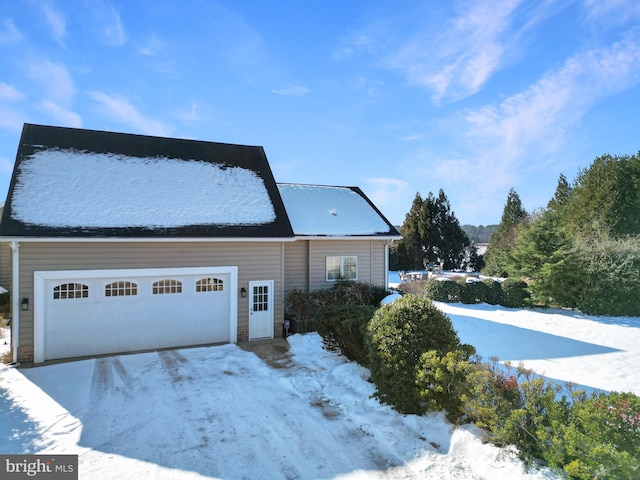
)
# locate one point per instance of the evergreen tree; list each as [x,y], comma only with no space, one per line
[561,196]
[450,241]
[431,234]
[410,254]
[503,240]
[606,198]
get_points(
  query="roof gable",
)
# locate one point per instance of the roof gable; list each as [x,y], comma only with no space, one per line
[74,182]
[321,210]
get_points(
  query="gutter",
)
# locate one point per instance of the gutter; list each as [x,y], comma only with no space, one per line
[388,238]
[15,300]
[386,262]
[144,239]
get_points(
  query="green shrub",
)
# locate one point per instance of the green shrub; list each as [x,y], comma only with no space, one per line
[305,306]
[531,427]
[343,328]
[493,293]
[514,293]
[442,290]
[447,382]
[601,439]
[473,292]
[299,303]
[398,334]
[610,284]
[350,293]
[493,395]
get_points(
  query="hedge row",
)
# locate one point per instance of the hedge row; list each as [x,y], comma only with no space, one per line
[509,293]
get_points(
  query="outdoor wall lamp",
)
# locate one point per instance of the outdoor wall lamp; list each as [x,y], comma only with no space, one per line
[24,305]
[243,292]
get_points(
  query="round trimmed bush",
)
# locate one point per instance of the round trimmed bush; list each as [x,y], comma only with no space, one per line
[493,294]
[441,290]
[397,335]
[472,292]
[514,293]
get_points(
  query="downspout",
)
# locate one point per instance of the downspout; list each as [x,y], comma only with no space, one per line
[15,299]
[386,264]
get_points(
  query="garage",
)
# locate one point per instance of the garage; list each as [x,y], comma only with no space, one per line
[94,312]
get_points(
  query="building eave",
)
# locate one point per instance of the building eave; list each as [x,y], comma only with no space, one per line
[145,239]
[349,237]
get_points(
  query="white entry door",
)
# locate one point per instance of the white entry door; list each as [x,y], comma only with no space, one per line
[260,309]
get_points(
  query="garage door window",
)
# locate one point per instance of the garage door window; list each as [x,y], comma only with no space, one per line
[70,290]
[210,284]
[167,286]
[120,289]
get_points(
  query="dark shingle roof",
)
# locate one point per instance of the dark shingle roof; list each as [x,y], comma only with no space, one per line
[84,183]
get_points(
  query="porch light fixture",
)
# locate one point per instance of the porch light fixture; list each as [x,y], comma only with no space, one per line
[24,305]
[243,292]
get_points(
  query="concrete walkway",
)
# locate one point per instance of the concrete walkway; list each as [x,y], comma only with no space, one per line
[273,351]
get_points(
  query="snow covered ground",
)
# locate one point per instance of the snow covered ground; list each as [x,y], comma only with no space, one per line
[593,352]
[221,412]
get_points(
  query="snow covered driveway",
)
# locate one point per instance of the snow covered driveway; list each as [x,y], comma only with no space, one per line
[221,412]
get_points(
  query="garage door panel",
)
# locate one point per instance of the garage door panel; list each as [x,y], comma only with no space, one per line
[123,314]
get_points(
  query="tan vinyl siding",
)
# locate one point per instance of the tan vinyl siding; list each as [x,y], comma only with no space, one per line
[378,262]
[5,265]
[370,253]
[255,261]
[296,265]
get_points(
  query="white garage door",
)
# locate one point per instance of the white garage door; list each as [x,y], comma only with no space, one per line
[82,313]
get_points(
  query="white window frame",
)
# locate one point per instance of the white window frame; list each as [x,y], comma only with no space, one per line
[120,288]
[209,285]
[342,267]
[79,291]
[166,286]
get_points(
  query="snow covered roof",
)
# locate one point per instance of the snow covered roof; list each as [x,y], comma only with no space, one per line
[319,210]
[74,182]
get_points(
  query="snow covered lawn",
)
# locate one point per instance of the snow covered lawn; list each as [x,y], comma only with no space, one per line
[221,412]
[593,352]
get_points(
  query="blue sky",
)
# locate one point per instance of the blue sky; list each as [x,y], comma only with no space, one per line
[473,97]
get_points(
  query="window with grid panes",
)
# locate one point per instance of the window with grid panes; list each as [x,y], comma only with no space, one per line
[210,284]
[345,267]
[70,290]
[120,289]
[167,286]
[261,298]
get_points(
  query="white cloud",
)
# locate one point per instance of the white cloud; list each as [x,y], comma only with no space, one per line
[390,195]
[9,33]
[622,10]
[520,136]
[292,91]
[11,119]
[354,43]
[152,47]
[109,24]
[55,20]
[121,110]
[541,114]
[6,165]
[456,62]
[62,116]
[53,78]
[191,114]
[9,92]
